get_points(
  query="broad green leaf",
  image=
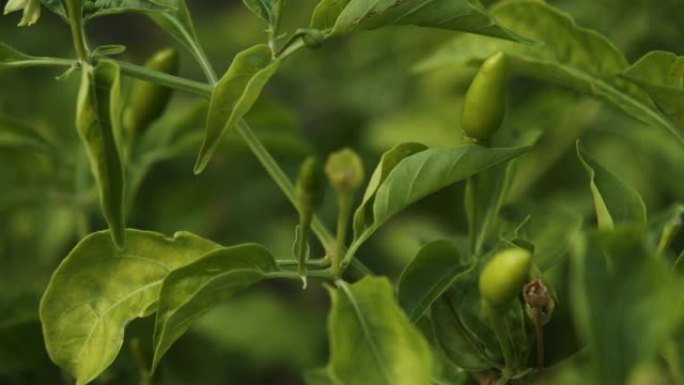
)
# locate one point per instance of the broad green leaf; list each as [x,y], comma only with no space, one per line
[623,300]
[570,56]
[264,9]
[191,291]
[460,15]
[234,95]
[19,135]
[428,171]
[371,341]
[661,74]
[437,265]
[97,122]
[97,290]
[388,161]
[614,201]
[96,8]
[460,328]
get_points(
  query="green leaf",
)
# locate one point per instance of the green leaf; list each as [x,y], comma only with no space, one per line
[96,8]
[459,15]
[20,135]
[623,300]
[263,9]
[570,56]
[437,265]
[461,331]
[234,95]
[388,162]
[97,290]
[661,74]
[98,126]
[191,291]
[615,202]
[9,55]
[421,174]
[371,341]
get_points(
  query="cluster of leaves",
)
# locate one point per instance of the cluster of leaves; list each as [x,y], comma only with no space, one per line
[613,270]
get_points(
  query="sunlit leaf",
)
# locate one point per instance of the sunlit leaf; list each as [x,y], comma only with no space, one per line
[234,95]
[97,290]
[661,74]
[189,292]
[371,341]
[388,161]
[344,16]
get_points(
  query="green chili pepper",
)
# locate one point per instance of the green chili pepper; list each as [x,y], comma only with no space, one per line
[504,276]
[484,106]
[148,100]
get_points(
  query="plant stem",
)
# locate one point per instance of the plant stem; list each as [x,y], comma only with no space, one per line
[502,331]
[273,29]
[77,34]
[171,81]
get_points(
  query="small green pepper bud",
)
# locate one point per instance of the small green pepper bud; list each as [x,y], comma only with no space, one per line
[344,170]
[310,188]
[503,277]
[484,106]
[148,100]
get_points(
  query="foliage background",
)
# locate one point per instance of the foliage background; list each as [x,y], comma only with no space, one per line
[359,92]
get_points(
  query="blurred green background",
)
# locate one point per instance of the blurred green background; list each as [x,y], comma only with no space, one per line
[359,91]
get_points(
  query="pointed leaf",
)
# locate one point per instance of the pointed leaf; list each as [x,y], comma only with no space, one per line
[661,74]
[623,300]
[428,171]
[460,15]
[437,265]
[570,55]
[326,13]
[615,202]
[263,9]
[97,290]
[191,291]
[234,95]
[387,163]
[98,126]
[371,341]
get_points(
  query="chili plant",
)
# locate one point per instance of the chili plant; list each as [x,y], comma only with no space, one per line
[522,290]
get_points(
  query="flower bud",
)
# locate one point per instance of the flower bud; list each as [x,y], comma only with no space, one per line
[345,171]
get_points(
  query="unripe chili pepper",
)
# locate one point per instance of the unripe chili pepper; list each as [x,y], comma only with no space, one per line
[148,100]
[309,195]
[310,188]
[484,106]
[503,277]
